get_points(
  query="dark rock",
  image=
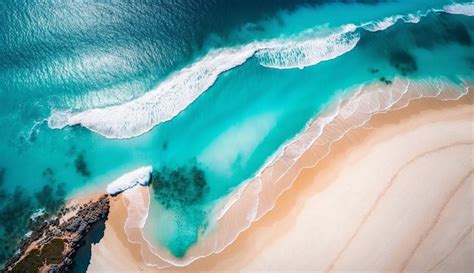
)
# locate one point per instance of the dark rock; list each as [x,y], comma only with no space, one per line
[74,226]
[82,228]
[53,268]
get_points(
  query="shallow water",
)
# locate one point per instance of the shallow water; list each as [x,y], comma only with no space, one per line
[90,56]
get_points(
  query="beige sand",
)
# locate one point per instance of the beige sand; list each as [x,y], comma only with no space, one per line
[392,198]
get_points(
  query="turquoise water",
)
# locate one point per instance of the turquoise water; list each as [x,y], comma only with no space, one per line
[223,137]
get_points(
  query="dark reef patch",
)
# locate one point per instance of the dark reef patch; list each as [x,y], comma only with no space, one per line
[182,190]
[407,47]
[448,30]
[403,61]
[470,62]
[51,199]
[179,188]
[458,33]
[373,70]
[81,165]
[48,175]
[17,208]
[71,151]
[385,80]
[2,179]
[15,211]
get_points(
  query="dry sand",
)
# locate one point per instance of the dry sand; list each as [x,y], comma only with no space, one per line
[393,196]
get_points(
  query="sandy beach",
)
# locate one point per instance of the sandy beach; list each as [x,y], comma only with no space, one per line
[381,201]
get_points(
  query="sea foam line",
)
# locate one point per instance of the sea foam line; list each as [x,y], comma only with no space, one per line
[310,48]
[178,91]
[414,18]
[258,195]
[355,111]
[392,20]
[460,8]
[174,94]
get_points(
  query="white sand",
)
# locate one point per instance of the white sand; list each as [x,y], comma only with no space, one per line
[402,203]
[395,198]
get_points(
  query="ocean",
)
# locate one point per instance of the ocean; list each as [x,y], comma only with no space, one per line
[205,92]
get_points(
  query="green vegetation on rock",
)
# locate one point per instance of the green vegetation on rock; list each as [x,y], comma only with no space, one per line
[51,253]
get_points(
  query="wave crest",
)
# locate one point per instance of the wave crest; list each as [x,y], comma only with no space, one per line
[178,91]
[461,9]
[173,95]
[140,176]
[313,48]
[392,20]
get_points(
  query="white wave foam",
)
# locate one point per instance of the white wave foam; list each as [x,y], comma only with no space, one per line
[308,49]
[159,105]
[392,20]
[257,196]
[177,92]
[59,119]
[461,9]
[173,95]
[140,176]
[276,176]
[137,208]
[37,213]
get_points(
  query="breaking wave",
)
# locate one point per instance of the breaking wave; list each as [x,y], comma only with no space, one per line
[178,91]
[140,176]
[461,9]
[174,94]
[257,196]
[302,52]
[392,20]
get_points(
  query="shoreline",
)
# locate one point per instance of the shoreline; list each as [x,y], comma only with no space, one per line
[392,118]
[120,227]
[52,246]
[284,136]
[315,181]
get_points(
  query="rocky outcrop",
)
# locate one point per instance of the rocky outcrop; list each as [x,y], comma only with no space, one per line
[70,226]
